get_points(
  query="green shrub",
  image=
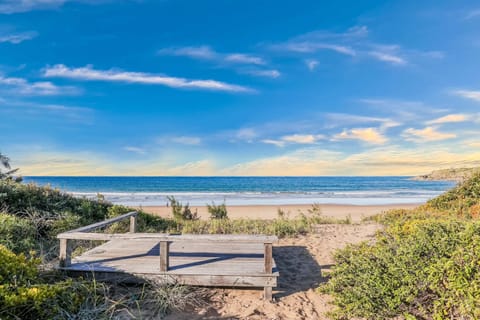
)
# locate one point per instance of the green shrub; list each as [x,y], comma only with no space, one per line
[460,199]
[17,234]
[181,212]
[217,211]
[410,271]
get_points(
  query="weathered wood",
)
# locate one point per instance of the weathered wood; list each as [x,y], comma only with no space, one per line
[75,235]
[133,224]
[65,253]
[268,258]
[164,255]
[104,223]
[267,293]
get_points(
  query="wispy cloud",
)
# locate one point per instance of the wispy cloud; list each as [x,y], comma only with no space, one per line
[113,75]
[18,6]
[21,108]
[136,150]
[187,140]
[207,53]
[344,119]
[22,87]
[264,73]
[244,58]
[472,14]
[183,140]
[426,135]
[388,57]
[355,42]
[14,6]
[295,139]
[468,94]
[368,135]
[16,38]
[449,119]
[311,64]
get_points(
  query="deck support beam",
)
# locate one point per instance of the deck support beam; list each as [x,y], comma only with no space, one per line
[65,253]
[164,255]
[267,291]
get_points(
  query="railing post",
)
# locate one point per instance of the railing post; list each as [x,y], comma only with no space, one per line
[164,255]
[65,253]
[267,291]
[133,223]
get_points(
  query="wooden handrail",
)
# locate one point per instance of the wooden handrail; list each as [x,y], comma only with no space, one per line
[74,235]
[104,223]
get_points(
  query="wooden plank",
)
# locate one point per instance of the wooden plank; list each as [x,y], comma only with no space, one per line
[75,235]
[164,255]
[102,223]
[65,253]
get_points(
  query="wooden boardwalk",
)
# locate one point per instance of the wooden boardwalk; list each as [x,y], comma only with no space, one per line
[201,260]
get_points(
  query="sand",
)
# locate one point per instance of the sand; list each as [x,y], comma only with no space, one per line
[303,263]
[356,212]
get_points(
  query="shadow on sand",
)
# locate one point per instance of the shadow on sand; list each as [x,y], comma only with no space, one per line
[299,271]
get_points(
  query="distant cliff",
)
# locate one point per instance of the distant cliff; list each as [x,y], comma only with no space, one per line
[453,174]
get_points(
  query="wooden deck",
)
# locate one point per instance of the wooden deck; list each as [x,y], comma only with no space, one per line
[200,260]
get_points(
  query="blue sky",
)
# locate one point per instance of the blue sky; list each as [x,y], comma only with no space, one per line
[163,87]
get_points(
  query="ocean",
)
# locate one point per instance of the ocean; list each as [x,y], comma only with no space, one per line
[197,191]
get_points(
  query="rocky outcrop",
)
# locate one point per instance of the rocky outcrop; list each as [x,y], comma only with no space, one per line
[453,174]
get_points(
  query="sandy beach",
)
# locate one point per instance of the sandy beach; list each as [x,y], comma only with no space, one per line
[356,212]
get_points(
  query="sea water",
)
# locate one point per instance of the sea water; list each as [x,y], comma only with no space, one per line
[197,191]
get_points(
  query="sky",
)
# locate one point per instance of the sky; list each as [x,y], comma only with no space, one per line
[234,88]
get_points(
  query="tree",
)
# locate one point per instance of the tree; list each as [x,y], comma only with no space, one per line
[5,164]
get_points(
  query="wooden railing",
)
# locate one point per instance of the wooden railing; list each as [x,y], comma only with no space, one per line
[83,234]
[164,240]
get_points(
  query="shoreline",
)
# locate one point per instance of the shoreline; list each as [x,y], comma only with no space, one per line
[268,212]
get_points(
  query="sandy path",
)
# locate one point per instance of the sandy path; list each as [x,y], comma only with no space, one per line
[303,263]
[356,212]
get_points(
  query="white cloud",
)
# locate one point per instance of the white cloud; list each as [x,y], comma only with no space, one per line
[16,38]
[201,52]
[89,74]
[449,119]
[312,64]
[368,135]
[192,141]
[264,73]
[134,149]
[426,135]
[468,94]
[207,53]
[17,6]
[295,139]
[246,134]
[344,119]
[20,86]
[244,58]
[48,111]
[388,57]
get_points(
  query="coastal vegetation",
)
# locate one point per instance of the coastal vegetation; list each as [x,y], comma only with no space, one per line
[425,264]
[30,218]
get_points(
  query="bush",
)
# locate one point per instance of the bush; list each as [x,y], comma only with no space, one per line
[410,271]
[462,200]
[17,234]
[181,212]
[217,211]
